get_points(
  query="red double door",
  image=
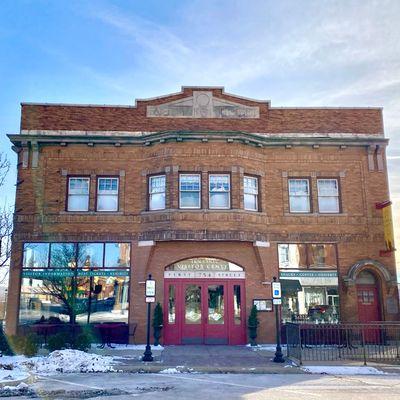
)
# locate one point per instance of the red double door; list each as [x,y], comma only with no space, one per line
[204,311]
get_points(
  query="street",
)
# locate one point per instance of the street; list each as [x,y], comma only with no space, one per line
[216,386]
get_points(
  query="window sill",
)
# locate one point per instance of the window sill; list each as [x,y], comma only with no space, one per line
[315,214]
[91,213]
[204,210]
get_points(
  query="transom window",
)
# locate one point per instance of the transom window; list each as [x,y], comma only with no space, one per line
[299,195]
[250,184]
[157,192]
[107,194]
[328,195]
[219,191]
[78,194]
[189,190]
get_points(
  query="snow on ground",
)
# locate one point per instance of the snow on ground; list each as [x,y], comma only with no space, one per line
[265,347]
[59,361]
[141,347]
[342,370]
[16,374]
[170,371]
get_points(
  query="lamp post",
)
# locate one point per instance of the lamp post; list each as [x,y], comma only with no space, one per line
[276,294]
[150,293]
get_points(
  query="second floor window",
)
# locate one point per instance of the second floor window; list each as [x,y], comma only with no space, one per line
[328,195]
[78,194]
[219,191]
[189,191]
[107,194]
[157,192]
[299,195]
[250,185]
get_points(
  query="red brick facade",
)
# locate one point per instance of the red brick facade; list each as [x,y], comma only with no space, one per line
[58,141]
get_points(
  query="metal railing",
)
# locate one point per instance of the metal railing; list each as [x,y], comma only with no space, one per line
[369,342]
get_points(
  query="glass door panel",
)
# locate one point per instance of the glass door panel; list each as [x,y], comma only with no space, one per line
[237,305]
[171,305]
[193,304]
[216,304]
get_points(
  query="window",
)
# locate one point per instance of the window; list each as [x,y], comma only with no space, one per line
[299,195]
[322,255]
[250,185]
[189,191]
[117,255]
[219,191]
[157,192]
[292,255]
[107,194]
[90,255]
[62,255]
[328,195]
[36,255]
[78,194]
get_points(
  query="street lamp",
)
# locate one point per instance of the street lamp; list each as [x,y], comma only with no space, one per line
[277,299]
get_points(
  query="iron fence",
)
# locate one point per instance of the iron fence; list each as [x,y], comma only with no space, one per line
[369,342]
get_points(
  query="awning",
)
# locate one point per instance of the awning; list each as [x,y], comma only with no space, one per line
[290,286]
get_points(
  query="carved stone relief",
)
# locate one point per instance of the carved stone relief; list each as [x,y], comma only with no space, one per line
[202,105]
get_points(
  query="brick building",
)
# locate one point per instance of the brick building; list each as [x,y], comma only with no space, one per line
[214,195]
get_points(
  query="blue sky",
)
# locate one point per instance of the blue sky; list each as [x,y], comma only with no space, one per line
[308,53]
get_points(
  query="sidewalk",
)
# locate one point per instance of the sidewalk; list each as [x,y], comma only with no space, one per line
[204,359]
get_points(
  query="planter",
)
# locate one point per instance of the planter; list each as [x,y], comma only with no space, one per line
[157,334]
[253,334]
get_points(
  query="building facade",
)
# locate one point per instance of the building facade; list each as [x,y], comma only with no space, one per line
[213,195]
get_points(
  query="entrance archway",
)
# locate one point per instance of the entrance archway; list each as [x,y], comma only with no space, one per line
[368,297]
[204,302]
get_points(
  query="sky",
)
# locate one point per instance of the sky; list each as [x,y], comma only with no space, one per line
[294,53]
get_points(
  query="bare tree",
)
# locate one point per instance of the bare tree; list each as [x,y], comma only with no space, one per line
[5,218]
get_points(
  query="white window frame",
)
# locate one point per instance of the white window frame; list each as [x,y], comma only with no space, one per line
[150,193]
[308,195]
[71,194]
[253,178]
[336,196]
[110,193]
[189,191]
[228,192]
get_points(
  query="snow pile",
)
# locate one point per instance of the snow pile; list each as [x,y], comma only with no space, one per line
[141,347]
[342,370]
[170,371]
[14,374]
[265,347]
[13,391]
[59,361]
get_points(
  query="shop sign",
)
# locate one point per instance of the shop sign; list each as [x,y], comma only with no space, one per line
[204,274]
[201,264]
[388,235]
[308,274]
[67,273]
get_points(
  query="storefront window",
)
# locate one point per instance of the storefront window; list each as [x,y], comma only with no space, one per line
[36,255]
[90,255]
[171,304]
[322,255]
[65,292]
[62,255]
[292,255]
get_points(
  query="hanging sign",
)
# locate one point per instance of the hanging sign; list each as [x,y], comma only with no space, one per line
[386,208]
[150,288]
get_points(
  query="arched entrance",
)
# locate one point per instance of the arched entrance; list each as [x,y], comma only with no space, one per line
[204,302]
[368,297]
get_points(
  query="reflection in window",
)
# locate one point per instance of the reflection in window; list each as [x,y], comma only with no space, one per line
[36,255]
[193,304]
[237,305]
[219,191]
[51,299]
[189,191]
[250,187]
[78,194]
[107,194]
[215,304]
[322,255]
[90,255]
[171,304]
[157,192]
[62,255]
[117,255]
[292,255]
[299,195]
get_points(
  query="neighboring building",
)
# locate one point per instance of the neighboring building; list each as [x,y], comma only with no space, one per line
[213,195]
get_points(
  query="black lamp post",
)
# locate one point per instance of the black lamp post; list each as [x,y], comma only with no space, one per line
[278,354]
[147,355]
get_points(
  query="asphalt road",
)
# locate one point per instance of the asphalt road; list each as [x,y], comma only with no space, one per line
[217,386]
